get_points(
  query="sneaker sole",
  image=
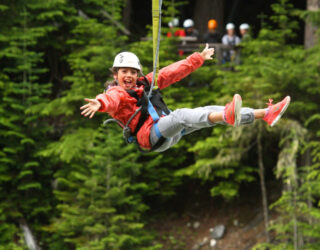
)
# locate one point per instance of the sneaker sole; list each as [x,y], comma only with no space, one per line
[282,112]
[237,109]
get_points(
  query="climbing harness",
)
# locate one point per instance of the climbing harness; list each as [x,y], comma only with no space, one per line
[153,106]
[151,103]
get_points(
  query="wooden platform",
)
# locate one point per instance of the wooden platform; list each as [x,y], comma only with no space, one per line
[191,44]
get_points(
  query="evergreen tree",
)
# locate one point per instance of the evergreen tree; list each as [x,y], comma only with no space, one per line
[98,188]
[272,67]
[101,204]
[298,205]
[298,208]
[25,187]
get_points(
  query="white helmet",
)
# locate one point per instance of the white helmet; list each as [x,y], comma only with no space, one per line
[188,23]
[244,26]
[230,26]
[127,59]
[174,23]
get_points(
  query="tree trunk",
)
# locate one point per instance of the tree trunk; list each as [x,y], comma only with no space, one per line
[127,14]
[292,187]
[28,236]
[310,38]
[206,10]
[306,162]
[263,184]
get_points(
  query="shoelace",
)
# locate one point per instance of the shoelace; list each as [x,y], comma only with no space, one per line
[270,103]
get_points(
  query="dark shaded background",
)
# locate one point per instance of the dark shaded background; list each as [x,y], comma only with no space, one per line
[236,11]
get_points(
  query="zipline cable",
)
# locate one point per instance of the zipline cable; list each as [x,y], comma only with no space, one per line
[156,34]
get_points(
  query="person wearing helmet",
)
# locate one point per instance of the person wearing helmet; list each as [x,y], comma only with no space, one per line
[244,31]
[188,26]
[120,102]
[173,23]
[230,39]
[174,29]
[212,36]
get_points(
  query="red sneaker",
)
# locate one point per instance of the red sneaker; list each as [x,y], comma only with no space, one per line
[275,111]
[231,113]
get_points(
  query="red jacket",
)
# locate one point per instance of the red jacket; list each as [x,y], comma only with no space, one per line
[179,32]
[120,105]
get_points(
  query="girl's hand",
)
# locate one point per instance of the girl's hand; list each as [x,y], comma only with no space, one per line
[91,107]
[207,53]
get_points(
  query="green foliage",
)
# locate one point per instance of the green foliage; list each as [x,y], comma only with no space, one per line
[169,12]
[296,69]
[31,155]
[100,201]
[76,183]
[25,191]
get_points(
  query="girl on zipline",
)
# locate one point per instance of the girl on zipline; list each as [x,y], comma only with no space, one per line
[123,97]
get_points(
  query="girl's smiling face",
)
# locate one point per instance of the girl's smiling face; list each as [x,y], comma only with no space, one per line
[126,77]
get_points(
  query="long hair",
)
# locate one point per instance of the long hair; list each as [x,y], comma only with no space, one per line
[112,83]
[109,84]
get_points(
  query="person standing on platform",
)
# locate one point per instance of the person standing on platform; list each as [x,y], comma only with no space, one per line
[230,39]
[212,35]
[188,26]
[174,29]
[244,31]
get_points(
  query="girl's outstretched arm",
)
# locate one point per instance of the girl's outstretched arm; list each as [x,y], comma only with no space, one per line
[91,107]
[179,70]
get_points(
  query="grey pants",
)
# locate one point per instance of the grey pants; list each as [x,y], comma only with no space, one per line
[190,120]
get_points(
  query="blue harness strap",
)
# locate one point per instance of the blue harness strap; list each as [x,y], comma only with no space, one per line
[155,117]
[156,129]
[153,112]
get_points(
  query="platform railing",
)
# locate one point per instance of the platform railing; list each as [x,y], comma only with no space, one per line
[191,44]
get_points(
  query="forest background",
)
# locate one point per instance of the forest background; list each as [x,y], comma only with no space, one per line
[75,184]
